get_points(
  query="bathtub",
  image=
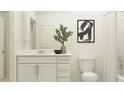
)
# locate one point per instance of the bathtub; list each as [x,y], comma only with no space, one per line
[120,78]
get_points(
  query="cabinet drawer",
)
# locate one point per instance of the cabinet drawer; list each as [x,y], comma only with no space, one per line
[63,67]
[63,59]
[36,59]
[63,79]
[63,74]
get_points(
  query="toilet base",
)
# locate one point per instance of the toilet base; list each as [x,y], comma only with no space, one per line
[89,77]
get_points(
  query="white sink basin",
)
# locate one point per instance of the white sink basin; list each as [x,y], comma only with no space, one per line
[36,52]
[45,51]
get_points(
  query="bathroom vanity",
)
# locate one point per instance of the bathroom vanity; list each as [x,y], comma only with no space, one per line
[42,67]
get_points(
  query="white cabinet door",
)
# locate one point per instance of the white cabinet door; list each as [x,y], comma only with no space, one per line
[1,48]
[27,73]
[47,72]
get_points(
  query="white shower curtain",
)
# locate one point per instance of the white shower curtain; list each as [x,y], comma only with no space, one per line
[110,66]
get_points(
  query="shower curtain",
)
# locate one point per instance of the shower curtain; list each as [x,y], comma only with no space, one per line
[110,55]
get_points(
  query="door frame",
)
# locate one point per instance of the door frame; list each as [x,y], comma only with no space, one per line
[12,65]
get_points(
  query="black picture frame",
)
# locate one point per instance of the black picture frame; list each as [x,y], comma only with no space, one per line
[86,31]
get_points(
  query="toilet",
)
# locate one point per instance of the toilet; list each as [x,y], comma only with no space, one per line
[86,66]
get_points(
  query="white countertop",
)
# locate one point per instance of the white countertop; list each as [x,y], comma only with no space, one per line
[34,53]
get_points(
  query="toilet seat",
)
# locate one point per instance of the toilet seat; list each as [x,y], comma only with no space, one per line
[89,77]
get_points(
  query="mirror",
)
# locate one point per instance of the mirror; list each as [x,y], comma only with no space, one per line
[33,33]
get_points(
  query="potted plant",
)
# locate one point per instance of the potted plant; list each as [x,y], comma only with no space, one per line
[61,36]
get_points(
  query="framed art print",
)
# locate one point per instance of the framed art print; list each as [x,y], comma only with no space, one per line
[85,31]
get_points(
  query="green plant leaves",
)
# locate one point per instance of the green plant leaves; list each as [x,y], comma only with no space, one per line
[57,38]
[62,35]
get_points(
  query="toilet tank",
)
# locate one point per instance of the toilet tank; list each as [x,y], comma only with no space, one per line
[86,64]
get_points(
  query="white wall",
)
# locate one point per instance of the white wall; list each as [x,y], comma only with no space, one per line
[77,49]
[18,21]
[120,33]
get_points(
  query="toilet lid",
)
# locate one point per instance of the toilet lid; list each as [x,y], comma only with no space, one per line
[89,74]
